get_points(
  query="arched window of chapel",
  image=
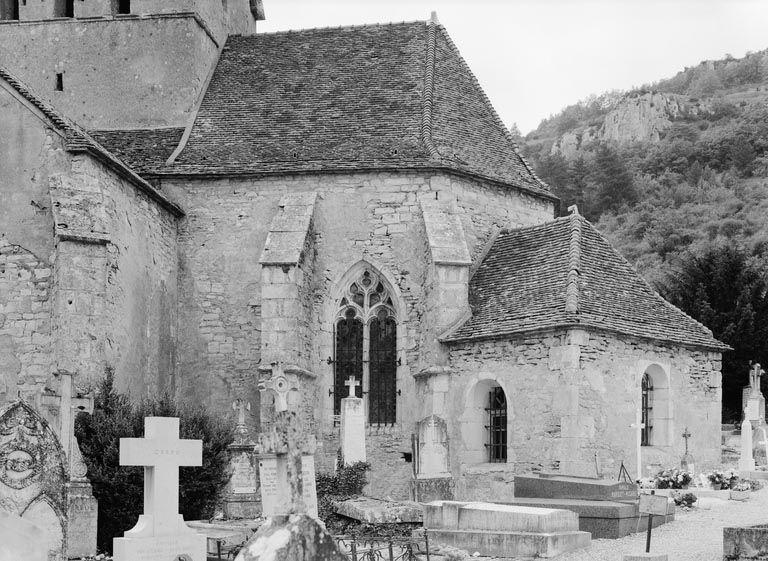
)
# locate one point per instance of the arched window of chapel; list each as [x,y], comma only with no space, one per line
[366,346]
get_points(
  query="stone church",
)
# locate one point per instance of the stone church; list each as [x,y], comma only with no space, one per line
[190,203]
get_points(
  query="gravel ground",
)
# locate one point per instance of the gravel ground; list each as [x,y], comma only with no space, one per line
[695,535]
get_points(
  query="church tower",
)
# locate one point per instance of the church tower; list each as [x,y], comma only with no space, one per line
[120,64]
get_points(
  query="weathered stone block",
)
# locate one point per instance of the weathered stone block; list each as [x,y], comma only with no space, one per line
[294,538]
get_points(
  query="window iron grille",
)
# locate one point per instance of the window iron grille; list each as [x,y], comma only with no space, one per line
[497,426]
[646,409]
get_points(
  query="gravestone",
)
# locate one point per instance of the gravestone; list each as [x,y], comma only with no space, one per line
[752,399]
[82,507]
[746,460]
[20,539]
[242,496]
[33,475]
[285,452]
[432,480]
[352,426]
[160,534]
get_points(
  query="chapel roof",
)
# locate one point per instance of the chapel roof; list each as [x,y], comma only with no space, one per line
[564,273]
[143,149]
[371,97]
[77,140]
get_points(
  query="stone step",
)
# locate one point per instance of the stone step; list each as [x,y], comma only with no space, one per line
[497,517]
[512,544]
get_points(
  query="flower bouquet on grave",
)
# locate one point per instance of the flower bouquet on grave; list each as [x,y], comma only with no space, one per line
[672,479]
[741,491]
[723,479]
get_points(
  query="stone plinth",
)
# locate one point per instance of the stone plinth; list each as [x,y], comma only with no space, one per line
[644,557]
[745,543]
[563,487]
[433,489]
[291,538]
[504,530]
[82,514]
[242,499]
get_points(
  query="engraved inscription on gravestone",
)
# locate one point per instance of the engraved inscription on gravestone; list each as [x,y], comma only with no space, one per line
[243,478]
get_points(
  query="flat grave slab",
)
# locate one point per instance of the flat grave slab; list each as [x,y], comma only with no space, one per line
[378,511]
[602,519]
[504,530]
[552,486]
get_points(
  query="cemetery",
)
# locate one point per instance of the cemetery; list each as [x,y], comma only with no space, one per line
[269,506]
[299,295]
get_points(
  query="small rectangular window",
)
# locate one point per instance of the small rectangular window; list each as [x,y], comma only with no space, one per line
[123,6]
[9,9]
[59,82]
[497,426]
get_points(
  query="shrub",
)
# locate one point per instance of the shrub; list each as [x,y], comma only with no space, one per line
[348,481]
[120,490]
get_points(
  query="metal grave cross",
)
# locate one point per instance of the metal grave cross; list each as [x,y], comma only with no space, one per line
[351,384]
[686,436]
[161,452]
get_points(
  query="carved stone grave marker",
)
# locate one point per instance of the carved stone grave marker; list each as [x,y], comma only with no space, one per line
[286,462]
[242,499]
[160,534]
[33,475]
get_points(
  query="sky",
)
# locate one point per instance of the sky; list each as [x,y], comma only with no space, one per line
[534,57]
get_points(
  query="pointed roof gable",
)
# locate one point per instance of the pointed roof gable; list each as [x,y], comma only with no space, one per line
[394,96]
[564,273]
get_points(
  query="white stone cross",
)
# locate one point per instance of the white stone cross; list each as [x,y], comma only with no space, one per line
[351,384]
[639,425]
[161,452]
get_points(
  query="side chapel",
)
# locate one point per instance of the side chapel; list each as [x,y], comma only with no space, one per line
[191,204]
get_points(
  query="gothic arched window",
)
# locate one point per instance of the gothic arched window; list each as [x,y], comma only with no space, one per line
[366,346]
[646,408]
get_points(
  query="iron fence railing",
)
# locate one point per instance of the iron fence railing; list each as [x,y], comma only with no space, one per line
[374,548]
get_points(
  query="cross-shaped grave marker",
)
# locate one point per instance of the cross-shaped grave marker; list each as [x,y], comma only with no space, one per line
[161,452]
[66,404]
[351,384]
[686,436]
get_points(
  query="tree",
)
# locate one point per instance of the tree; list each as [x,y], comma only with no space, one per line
[727,292]
[613,179]
[120,490]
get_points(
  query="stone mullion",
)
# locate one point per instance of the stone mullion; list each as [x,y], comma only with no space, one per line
[366,365]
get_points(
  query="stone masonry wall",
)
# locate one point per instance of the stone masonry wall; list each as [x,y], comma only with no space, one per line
[117,72]
[583,389]
[368,216]
[116,275]
[29,152]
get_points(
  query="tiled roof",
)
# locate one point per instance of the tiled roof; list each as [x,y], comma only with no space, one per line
[565,273]
[78,140]
[144,150]
[394,96]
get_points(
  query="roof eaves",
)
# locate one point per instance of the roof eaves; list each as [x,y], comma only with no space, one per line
[449,339]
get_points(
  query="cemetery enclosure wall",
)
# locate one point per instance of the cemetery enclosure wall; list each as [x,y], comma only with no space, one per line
[572,394]
[371,216]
